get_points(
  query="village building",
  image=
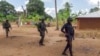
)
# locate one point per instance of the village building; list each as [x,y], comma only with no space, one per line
[89,21]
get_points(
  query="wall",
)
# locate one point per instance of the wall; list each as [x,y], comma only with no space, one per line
[88,23]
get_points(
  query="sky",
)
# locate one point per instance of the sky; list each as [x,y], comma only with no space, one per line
[83,5]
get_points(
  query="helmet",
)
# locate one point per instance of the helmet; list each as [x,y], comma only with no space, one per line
[69,19]
[41,19]
[7,20]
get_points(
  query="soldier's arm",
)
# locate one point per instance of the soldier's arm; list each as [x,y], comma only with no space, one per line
[39,27]
[46,30]
[3,25]
[73,35]
[10,26]
[63,29]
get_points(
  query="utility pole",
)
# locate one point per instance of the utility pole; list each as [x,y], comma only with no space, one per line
[57,26]
[98,4]
[23,12]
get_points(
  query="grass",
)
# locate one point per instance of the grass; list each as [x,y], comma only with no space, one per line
[87,34]
[93,34]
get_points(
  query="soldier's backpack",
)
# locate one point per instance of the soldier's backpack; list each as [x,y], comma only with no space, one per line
[6,25]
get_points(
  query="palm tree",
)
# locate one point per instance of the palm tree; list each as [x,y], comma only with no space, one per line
[57,27]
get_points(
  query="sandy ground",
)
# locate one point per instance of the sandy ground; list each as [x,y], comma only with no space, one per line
[23,41]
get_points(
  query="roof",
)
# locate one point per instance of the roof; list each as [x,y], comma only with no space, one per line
[94,14]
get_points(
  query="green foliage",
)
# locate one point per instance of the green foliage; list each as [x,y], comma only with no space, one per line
[48,16]
[94,9]
[63,14]
[30,17]
[11,17]
[6,10]
[68,8]
[35,9]
[74,15]
[36,18]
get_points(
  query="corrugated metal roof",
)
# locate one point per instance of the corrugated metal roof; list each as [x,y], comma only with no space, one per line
[94,14]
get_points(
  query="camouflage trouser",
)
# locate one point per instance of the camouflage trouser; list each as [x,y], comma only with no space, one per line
[42,34]
[7,31]
[69,46]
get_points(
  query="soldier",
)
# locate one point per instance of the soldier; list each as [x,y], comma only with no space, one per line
[68,30]
[42,29]
[17,23]
[6,26]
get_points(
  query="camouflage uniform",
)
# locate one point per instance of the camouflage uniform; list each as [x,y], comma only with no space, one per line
[42,29]
[6,26]
[69,34]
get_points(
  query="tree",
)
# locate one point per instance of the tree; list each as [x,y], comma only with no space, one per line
[61,14]
[68,8]
[65,13]
[35,7]
[48,16]
[94,9]
[6,9]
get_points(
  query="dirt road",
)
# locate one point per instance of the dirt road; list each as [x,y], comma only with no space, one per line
[23,41]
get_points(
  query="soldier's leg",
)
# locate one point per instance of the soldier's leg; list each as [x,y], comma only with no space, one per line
[42,40]
[7,33]
[70,48]
[67,46]
[43,35]
[40,37]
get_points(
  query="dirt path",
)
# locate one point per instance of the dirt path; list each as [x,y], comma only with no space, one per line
[23,41]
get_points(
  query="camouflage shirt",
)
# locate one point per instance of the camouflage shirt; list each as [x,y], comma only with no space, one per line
[68,30]
[41,27]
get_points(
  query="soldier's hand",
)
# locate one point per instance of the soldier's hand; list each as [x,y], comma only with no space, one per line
[65,33]
[11,28]
[73,38]
[46,31]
